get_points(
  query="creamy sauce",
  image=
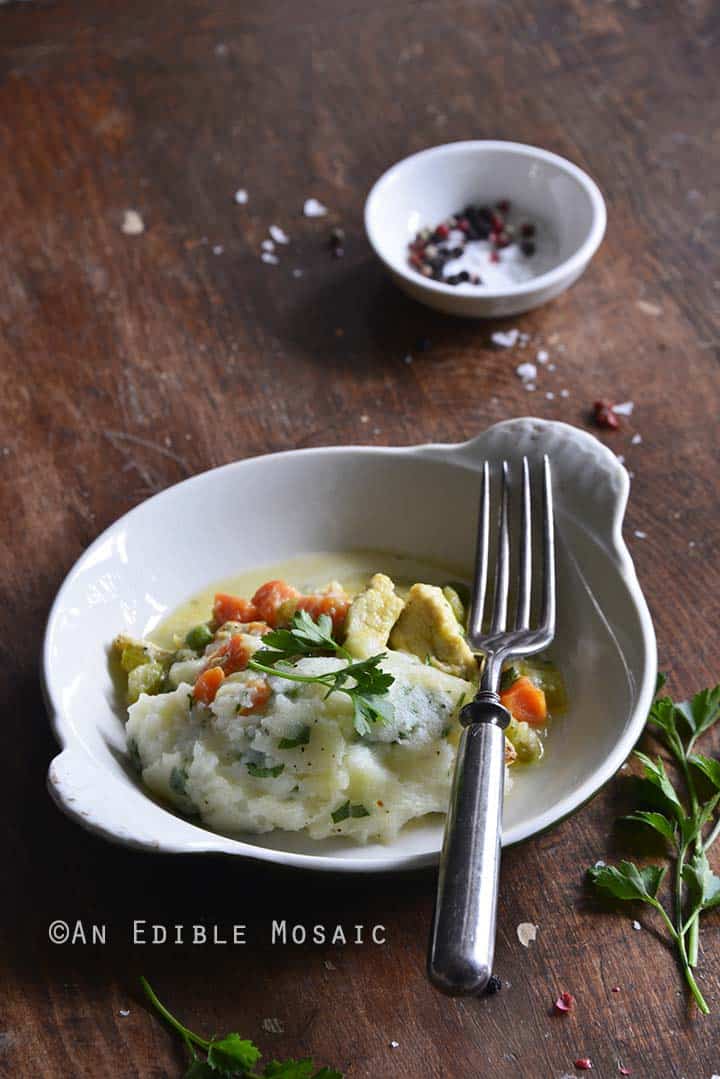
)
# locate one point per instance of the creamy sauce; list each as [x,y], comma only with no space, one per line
[308,573]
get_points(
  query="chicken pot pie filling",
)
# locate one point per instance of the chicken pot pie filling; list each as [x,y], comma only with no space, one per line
[331,711]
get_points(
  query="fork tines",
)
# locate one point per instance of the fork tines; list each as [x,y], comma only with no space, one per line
[520,634]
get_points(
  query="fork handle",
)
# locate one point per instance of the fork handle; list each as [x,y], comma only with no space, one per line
[462,943]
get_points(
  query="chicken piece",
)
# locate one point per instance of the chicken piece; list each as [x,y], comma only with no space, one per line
[428,628]
[510,752]
[372,615]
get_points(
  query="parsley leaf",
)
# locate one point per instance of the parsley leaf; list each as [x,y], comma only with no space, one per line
[300,739]
[627,881]
[682,823]
[303,637]
[364,681]
[259,772]
[232,1055]
[346,810]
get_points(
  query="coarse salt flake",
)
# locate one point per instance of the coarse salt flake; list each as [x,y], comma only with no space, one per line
[133,223]
[314,208]
[564,393]
[278,235]
[550,395]
[218,249]
[124,1012]
[267,256]
[636,925]
[543,356]
[636,439]
[267,245]
[241,196]
[297,272]
[526,371]
[651,309]
[505,339]
[624,409]
[394,1044]
[273,1026]
[639,535]
[526,933]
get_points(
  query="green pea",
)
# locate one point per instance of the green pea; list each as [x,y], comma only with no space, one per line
[199,637]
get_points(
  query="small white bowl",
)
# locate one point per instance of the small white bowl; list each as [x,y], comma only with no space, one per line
[543,188]
[420,502]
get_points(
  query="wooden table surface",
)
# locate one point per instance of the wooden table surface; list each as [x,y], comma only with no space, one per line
[128,362]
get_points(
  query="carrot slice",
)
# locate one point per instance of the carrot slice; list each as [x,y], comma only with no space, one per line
[270,597]
[330,603]
[259,693]
[208,684]
[233,655]
[233,609]
[526,702]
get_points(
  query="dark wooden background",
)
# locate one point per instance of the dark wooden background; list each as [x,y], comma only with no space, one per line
[129,362]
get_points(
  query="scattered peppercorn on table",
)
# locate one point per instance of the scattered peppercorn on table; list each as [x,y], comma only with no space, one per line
[185,281]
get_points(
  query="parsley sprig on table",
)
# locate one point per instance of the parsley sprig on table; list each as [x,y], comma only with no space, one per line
[232,1055]
[364,682]
[689,825]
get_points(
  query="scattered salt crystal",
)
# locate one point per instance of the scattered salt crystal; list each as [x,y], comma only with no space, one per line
[408,359]
[636,440]
[505,340]
[132,224]
[550,395]
[552,367]
[564,393]
[621,458]
[364,418]
[394,1045]
[524,338]
[313,208]
[526,371]
[221,49]
[278,235]
[530,387]
[273,1026]
[241,196]
[526,933]
[600,863]
[624,409]
[651,309]
[636,925]
[218,249]
[691,544]
[124,1012]
[272,260]
[640,535]
[297,272]
[267,245]
[543,356]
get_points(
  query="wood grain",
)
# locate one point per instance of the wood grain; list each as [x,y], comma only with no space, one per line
[129,362]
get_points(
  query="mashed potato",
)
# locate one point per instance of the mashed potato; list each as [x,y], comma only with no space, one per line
[300,764]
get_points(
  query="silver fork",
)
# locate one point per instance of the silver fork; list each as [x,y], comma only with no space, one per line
[463,934]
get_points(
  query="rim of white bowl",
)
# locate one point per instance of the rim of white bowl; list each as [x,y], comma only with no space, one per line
[576,261]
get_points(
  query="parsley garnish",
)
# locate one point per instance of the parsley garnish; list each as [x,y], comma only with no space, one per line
[233,1055]
[264,773]
[346,810]
[301,739]
[681,821]
[305,637]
